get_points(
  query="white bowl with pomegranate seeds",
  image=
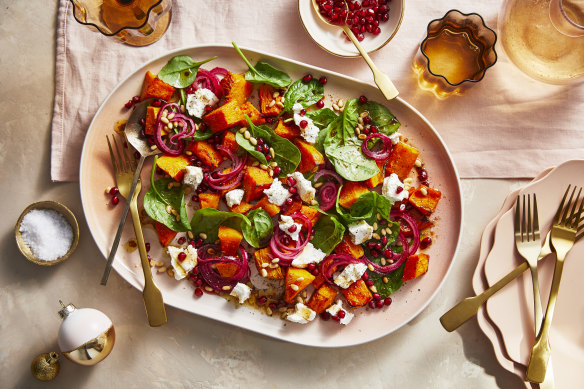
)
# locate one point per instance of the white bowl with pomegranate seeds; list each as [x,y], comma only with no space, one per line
[364,17]
[96,174]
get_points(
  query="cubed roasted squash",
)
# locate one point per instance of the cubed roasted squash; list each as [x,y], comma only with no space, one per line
[415,266]
[271,209]
[425,199]
[346,246]
[206,153]
[357,294]
[322,298]
[378,178]
[154,87]
[287,130]
[265,266]
[236,88]
[296,281]
[165,234]
[150,122]
[350,192]
[232,114]
[318,281]
[267,108]
[173,165]
[209,200]
[295,206]
[230,240]
[229,141]
[226,269]
[242,207]
[401,160]
[312,214]
[255,180]
[310,156]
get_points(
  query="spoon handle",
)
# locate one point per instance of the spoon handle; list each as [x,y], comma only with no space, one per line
[114,249]
[383,82]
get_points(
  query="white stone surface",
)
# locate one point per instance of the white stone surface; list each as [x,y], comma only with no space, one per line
[190,351]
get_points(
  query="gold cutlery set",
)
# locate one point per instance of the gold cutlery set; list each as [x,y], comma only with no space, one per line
[567,228]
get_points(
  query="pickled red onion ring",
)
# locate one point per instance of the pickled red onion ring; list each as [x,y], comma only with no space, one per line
[377,155]
[327,195]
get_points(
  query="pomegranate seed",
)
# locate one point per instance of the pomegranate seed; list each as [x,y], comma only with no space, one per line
[268,157]
[157,103]
[315,272]
[367,120]
[293,228]
[259,148]
[199,242]
[369,282]
[307,78]
[375,253]
[181,256]
[365,276]
[426,242]
[303,124]
[115,200]
[371,304]
[142,123]
[272,306]
[422,174]
[388,252]
[291,181]
[286,240]
[114,191]
[292,190]
[195,198]
[262,300]
[199,282]
[336,318]
[322,80]
[341,314]
[198,292]
[261,141]
[387,301]
[190,90]
[399,189]
[311,267]
[320,104]
[147,245]
[135,99]
[277,170]
[182,240]
[325,316]
[379,304]
[208,108]
[289,200]
[365,131]
[362,99]
[302,112]
[376,296]
[376,31]
[374,129]
[128,105]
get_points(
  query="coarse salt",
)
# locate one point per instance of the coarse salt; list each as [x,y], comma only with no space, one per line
[46,232]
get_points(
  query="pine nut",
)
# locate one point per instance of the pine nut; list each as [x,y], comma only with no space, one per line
[294,287]
[162,269]
[373,289]
[264,273]
[418,163]
[265,264]
[190,234]
[242,130]
[362,136]
[318,185]
[280,104]
[275,94]
[170,116]
[164,119]
[336,107]
[203,236]
[272,103]
[424,191]
[246,135]
[272,152]
[253,141]
[370,266]
[273,164]
[376,236]
[360,120]
[385,280]
[226,287]
[263,167]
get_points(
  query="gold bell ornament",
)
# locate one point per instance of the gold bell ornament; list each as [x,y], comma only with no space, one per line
[86,335]
[45,366]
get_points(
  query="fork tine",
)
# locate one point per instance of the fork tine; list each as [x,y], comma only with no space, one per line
[529,226]
[517,224]
[112,156]
[561,206]
[125,150]
[122,164]
[566,209]
[579,215]
[574,218]
[536,235]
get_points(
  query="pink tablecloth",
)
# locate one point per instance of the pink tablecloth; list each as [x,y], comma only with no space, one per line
[506,126]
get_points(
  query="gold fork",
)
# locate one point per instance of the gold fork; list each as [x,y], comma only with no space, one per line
[563,236]
[124,170]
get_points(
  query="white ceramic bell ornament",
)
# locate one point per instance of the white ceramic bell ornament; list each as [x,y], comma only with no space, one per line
[86,335]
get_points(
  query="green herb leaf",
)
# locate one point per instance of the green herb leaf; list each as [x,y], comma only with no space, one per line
[367,206]
[208,220]
[350,162]
[328,233]
[158,197]
[394,281]
[381,116]
[260,229]
[181,71]
[322,117]
[305,93]
[264,73]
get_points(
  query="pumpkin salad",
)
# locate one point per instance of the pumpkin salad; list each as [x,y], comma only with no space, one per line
[264,195]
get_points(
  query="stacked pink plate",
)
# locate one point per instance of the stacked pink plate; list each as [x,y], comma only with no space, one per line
[507,318]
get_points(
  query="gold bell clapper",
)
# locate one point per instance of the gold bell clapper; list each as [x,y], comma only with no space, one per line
[45,367]
[86,335]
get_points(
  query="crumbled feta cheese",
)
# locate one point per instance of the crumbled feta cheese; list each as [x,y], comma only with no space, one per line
[241,291]
[391,184]
[310,131]
[301,315]
[395,137]
[360,232]
[196,102]
[336,308]
[304,187]
[234,197]
[309,255]
[286,222]
[193,176]
[350,274]
[276,193]
[182,268]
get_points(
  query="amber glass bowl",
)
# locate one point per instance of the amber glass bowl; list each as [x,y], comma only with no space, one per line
[135,22]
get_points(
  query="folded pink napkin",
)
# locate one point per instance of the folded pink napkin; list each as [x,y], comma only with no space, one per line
[505,126]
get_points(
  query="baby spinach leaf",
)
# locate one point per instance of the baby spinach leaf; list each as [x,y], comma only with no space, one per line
[202,135]
[305,93]
[264,73]
[322,117]
[394,281]
[208,220]
[350,163]
[158,197]
[369,204]
[260,229]
[381,116]
[286,154]
[181,71]
[328,233]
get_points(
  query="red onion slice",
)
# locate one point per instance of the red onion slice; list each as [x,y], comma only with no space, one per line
[413,226]
[330,264]
[377,155]
[327,195]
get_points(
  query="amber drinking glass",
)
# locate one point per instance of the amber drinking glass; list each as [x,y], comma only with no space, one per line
[457,51]
[135,22]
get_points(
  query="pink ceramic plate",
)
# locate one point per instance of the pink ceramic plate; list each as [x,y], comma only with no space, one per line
[409,301]
[511,310]
[479,284]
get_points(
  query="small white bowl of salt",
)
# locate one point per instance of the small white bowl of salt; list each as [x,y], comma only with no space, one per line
[47,233]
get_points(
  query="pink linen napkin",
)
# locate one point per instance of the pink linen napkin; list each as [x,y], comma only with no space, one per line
[506,126]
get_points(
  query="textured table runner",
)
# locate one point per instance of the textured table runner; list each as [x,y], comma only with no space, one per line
[506,126]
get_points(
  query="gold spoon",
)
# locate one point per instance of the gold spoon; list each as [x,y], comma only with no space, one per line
[383,82]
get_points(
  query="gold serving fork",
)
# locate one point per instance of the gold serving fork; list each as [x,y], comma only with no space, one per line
[563,235]
[124,168]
